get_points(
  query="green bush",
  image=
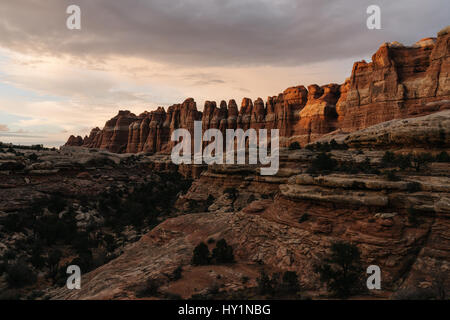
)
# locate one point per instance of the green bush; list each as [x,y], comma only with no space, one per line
[201,255]
[412,187]
[150,289]
[295,146]
[20,275]
[222,253]
[341,270]
[388,158]
[322,162]
[232,192]
[420,161]
[413,216]
[264,284]
[442,157]
[391,176]
[53,262]
[304,217]
[290,282]
[177,273]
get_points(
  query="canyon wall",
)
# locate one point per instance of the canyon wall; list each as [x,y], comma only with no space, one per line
[400,82]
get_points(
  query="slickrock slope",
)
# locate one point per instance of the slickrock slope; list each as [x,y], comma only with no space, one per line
[400,82]
[288,221]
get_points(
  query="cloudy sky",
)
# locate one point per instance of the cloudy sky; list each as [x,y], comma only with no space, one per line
[140,54]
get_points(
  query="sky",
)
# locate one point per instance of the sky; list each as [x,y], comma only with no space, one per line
[140,54]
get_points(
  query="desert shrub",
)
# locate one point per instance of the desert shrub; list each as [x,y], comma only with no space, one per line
[232,192]
[442,157]
[100,162]
[338,146]
[323,147]
[341,270]
[264,284]
[290,282]
[388,158]
[84,260]
[149,289]
[413,216]
[53,262]
[391,175]
[33,157]
[412,187]
[19,275]
[222,253]
[414,294]
[420,161]
[358,185]
[10,295]
[295,146]
[304,217]
[144,204]
[56,203]
[403,161]
[200,255]
[322,162]
[110,243]
[177,274]
[172,296]
[52,229]
[36,258]
[10,254]
[277,285]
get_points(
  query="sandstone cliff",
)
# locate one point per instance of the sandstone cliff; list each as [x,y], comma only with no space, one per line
[400,82]
[288,221]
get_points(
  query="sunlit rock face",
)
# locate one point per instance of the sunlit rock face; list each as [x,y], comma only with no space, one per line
[400,82]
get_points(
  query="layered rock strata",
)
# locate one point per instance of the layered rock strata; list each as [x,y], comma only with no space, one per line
[400,82]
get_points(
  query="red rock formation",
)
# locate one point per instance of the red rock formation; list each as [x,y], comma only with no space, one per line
[319,115]
[400,82]
[75,141]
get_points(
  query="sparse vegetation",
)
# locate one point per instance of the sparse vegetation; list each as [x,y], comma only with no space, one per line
[341,270]
[295,146]
[201,255]
[304,217]
[413,216]
[222,253]
[443,157]
[392,176]
[19,275]
[327,146]
[277,285]
[149,289]
[322,162]
[412,187]
[232,192]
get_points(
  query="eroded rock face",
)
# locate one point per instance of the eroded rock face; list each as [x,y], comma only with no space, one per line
[275,223]
[400,82]
[288,222]
[75,141]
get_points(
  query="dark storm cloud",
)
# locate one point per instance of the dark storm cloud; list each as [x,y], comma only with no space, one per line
[217,32]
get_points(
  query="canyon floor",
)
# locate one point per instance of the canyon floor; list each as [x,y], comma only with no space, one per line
[132,220]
